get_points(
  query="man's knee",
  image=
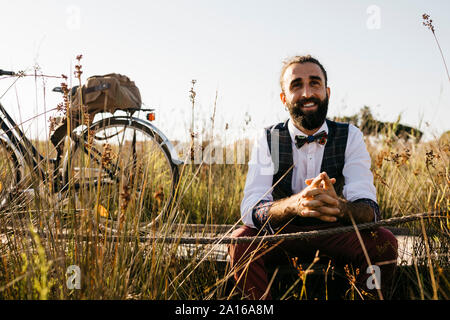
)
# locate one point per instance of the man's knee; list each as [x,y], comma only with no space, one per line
[244,231]
[386,248]
[237,250]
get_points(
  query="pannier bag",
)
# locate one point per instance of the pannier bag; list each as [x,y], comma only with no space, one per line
[106,93]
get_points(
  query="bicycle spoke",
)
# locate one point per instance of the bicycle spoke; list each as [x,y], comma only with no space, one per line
[123,173]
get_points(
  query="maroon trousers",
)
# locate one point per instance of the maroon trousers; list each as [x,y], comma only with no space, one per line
[248,260]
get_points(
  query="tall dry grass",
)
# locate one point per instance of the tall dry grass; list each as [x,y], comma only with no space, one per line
[40,240]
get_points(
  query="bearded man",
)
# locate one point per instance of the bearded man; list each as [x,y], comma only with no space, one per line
[310,173]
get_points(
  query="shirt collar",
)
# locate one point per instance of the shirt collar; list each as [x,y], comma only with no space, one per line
[294,131]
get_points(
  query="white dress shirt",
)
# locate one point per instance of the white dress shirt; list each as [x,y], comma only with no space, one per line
[307,164]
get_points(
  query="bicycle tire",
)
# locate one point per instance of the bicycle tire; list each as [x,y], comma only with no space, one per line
[10,174]
[137,174]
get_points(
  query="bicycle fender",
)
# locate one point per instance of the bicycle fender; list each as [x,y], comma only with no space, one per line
[173,153]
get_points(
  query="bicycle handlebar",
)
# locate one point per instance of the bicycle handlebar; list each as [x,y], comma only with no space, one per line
[7,73]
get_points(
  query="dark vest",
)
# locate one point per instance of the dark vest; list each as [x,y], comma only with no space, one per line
[280,147]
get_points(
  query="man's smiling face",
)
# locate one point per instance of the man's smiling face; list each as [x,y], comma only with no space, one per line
[305,95]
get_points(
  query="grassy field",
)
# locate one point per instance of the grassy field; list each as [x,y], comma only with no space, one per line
[40,240]
[47,238]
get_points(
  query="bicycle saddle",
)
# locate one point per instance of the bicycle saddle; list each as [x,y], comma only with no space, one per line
[73,90]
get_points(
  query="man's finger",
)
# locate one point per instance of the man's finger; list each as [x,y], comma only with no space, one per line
[331,211]
[313,192]
[318,215]
[327,180]
[328,184]
[310,214]
[312,204]
[327,218]
[316,182]
[327,199]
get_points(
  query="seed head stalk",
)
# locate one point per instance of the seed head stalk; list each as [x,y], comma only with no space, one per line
[429,24]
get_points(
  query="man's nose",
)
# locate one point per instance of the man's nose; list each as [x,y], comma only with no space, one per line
[306,93]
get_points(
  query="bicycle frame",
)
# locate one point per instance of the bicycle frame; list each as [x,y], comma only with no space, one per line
[20,142]
[26,150]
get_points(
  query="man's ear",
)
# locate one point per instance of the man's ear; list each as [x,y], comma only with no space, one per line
[328,92]
[283,98]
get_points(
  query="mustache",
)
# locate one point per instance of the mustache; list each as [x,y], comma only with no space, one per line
[302,102]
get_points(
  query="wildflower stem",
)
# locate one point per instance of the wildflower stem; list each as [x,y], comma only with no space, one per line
[442,55]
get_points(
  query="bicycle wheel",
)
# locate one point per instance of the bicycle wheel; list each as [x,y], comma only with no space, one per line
[121,170]
[9,172]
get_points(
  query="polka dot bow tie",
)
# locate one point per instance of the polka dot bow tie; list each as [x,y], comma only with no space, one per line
[320,138]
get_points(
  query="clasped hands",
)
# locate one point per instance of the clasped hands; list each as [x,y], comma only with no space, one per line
[319,199]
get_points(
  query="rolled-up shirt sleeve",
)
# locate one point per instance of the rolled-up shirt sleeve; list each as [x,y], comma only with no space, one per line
[258,185]
[260,216]
[373,205]
[359,185]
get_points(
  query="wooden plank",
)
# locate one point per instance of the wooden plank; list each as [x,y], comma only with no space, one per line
[224,228]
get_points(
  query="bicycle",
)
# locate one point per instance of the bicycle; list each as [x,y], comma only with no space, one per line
[102,166]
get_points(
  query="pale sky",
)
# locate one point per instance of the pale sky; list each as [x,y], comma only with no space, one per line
[376,53]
